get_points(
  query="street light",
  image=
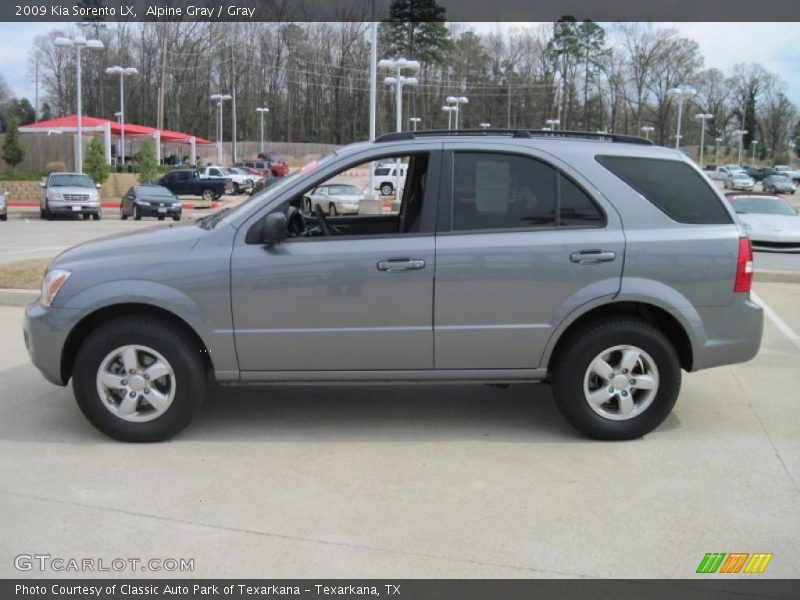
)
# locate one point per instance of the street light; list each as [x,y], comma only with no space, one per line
[450,110]
[457,101]
[648,129]
[702,118]
[219,99]
[415,120]
[261,110]
[485,125]
[741,133]
[122,72]
[79,42]
[716,151]
[753,144]
[399,81]
[552,124]
[682,91]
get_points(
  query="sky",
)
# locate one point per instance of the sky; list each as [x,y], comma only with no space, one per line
[774,45]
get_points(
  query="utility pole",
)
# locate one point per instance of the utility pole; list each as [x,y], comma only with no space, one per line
[36,94]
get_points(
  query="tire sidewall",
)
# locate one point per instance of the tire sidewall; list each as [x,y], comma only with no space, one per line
[571,369]
[179,352]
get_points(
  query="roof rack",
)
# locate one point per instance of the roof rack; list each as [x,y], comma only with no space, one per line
[516,133]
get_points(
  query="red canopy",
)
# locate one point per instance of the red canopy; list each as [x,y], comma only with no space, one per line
[69,123]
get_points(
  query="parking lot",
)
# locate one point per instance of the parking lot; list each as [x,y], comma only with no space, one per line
[419,481]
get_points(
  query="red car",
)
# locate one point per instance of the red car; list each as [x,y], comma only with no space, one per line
[266,163]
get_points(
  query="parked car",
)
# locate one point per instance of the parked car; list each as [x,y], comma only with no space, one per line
[150,201]
[69,193]
[269,163]
[259,181]
[778,184]
[187,182]
[509,270]
[241,183]
[788,171]
[770,221]
[3,204]
[738,180]
[257,165]
[335,198]
[719,173]
[386,178]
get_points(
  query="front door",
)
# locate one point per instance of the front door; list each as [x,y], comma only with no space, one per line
[340,302]
[522,246]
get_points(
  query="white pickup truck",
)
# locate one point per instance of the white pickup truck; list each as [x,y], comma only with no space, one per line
[721,172]
[242,184]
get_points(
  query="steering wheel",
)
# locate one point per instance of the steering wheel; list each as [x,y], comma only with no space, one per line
[295,222]
[323,223]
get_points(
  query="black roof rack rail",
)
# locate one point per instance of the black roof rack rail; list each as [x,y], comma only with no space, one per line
[517,133]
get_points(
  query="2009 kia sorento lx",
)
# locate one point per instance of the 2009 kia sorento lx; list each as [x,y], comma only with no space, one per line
[598,262]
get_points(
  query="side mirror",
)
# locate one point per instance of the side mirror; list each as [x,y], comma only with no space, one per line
[42,184]
[274,230]
[98,185]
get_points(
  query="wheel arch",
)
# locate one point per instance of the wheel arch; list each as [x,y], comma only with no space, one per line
[101,315]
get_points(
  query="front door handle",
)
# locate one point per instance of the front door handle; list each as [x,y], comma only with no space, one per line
[395,265]
[592,257]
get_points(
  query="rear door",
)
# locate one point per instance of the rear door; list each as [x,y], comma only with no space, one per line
[520,245]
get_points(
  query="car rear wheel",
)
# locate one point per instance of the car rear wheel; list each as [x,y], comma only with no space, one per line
[386,189]
[207,194]
[96,216]
[616,379]
[138,379]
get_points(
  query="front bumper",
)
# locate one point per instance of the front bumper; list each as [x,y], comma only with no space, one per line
[75,208]
[45,331]
[154,211]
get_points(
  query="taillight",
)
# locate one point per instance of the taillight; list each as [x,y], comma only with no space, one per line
[744,267]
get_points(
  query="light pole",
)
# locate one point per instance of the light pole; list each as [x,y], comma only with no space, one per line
[716,150]
[753,144]
[219,99]
[457,101]
[682,91]
[741,133]
[449,110]
[485,125]
[122,72]
[553,123]
[702,118]
[648,129]
[79,42]
[261,110]
[415,120]
[399,81]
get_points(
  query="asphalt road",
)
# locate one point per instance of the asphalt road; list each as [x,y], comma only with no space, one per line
[425,481]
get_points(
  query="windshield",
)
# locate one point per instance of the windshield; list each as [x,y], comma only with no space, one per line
[70,180]
[779,179]
[154,190]
[763,206]
[740,175]
[343,190]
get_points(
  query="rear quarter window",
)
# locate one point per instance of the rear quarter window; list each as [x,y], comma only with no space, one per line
[672,186]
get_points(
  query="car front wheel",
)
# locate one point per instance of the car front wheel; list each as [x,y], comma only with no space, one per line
[138,379]
[386,189]
[616,379]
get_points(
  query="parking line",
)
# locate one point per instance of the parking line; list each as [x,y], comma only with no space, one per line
[777,321]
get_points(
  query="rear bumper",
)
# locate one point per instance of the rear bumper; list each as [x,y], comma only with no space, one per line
[733,333]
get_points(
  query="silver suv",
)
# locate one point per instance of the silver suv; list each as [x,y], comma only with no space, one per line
[599,263]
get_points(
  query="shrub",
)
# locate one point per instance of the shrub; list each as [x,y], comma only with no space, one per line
[96,166]
[13,150]
[146,165]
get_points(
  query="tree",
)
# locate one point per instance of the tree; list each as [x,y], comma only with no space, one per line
[95,165]
[13,150]
[146,165]
[19,110]
[416,30]
[592,45]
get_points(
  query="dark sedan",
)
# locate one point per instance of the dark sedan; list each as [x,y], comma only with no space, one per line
[779,184]
[150,201]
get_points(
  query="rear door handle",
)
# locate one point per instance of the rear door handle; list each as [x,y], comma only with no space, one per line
[591,257]
[395,265]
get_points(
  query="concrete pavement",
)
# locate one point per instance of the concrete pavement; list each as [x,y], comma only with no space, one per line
[426,481]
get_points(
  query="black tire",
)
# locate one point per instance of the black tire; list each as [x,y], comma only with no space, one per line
[47,213]
[41,213]
[178,218]
[160,218]
[96,216]
[387,189]
[236,189]
[3,217]
[579,349]
[332,210]
[85,216]
[122,215]
[208,195]
[173,344]
[136,215]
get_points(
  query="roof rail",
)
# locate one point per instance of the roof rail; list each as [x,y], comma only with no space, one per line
[516,133]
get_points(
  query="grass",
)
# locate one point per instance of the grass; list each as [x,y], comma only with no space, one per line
[23,274]
[22,176]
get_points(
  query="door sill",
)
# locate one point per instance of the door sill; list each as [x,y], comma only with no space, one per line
[408,376]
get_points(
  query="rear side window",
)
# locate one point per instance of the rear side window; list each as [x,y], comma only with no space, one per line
[672,186]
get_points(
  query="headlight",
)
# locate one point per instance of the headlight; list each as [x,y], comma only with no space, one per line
[55,196]
[53,281]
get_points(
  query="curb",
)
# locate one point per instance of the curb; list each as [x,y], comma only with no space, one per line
[25,204]
[17,297]
[25,297]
